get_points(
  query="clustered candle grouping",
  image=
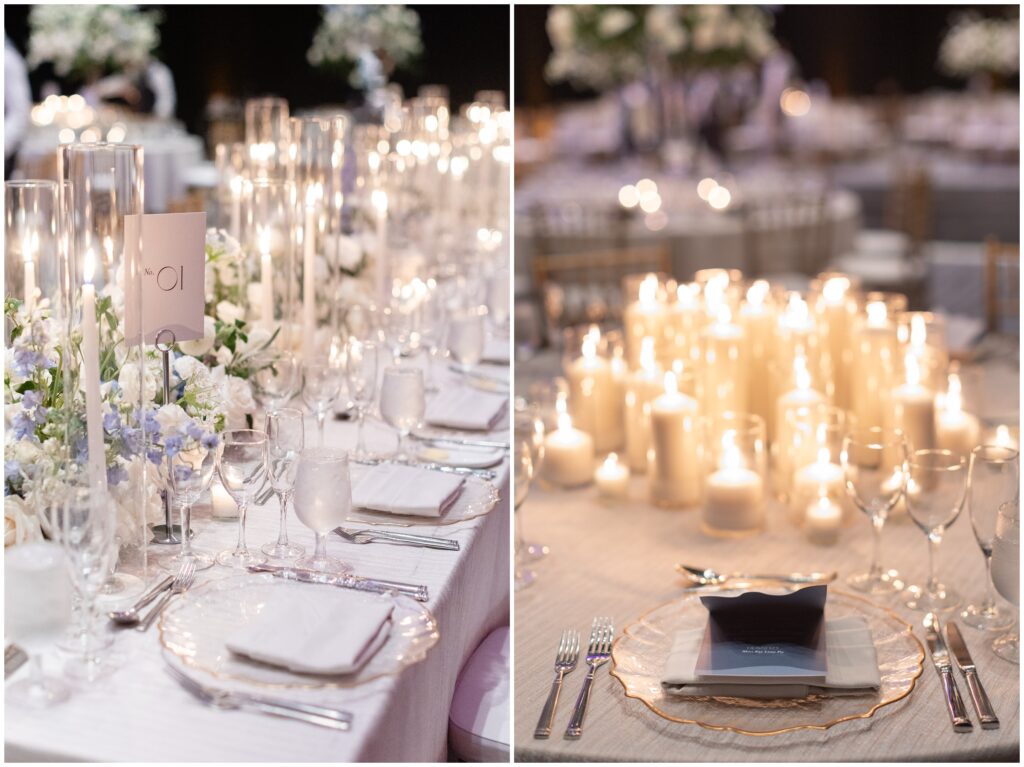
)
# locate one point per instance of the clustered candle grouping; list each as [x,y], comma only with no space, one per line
[722,391]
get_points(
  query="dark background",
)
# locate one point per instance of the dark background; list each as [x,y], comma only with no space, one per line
[251,50]
[856,49]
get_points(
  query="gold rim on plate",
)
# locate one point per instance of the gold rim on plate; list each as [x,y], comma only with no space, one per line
[646,687]
[183,626]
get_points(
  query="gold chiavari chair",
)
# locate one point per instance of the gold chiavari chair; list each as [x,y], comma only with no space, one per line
[1002,285]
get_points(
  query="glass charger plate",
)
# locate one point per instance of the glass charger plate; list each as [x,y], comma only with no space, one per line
[639,656]
[478,497]
[196,628]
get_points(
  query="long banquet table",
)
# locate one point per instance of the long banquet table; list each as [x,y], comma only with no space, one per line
[618,560]
[141,714]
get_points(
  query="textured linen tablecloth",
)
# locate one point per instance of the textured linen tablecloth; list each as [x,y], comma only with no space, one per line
[618,560]
[141,714]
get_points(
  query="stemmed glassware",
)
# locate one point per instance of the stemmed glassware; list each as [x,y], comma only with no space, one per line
[276,379]
[87,528]
[398,330]
[522,476]
[936,490]
[874,462]
[321,387]
[361,362]
[190,474]
[466,336]
[243,470]
[323,499]
[402,403]
[992,480]
[285,441]
[1006,573]
[432,331]
[528,426]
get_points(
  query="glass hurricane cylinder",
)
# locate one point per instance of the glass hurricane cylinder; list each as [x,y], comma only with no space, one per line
[266,136]
[733,463]
[231,162]
[875,359]
[814,460]
[833,299]
[268,242]
[593,404]
[111,380]
[31,254]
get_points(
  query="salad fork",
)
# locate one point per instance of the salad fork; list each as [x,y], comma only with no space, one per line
[565,661]
[382,536]
[599,652]
[181,583]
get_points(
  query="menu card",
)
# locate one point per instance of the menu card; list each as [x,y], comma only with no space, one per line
[756,637]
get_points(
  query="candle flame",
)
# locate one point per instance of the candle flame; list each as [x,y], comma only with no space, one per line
[648,290]
[379,198]
[263,240]
[89,265]
[26,247]
[796,310]
[314,193]
[564,421]
[647,354]
[835,289]
[918,331]
[824,456]
[913,370]
[612,461]
[671,386]
[723,314]
[1003,438]
[800,373]
[236,185]
[731,458]
[876,313]
[757,292]
[954,398]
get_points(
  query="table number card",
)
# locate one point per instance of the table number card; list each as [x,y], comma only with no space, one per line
[173,274]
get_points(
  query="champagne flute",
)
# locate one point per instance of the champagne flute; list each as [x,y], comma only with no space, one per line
[529,427]
[1006,573]
[936,490]
[402,403]
[874,462]
[466,334]
[190,475]
[361,369]
[522,476]
[243,469]
[321,386]
[285,441]
[276,378]
[993,479]
[323,499]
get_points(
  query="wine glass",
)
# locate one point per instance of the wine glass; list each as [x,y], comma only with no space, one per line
[993,479]
[361,369]
[398,330]
[190,474]
[498,288]
[321,386]
[276,378]
[874,462]
[935,493]
[323,499]
[243,469]
[522,476]
[87,527]
[432,331]
[466,334]
[285,441]
[1006,573]
[529,426]
[402,402]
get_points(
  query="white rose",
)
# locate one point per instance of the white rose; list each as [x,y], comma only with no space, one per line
[614,22]
[258,338]
[237,396]
[186,367]
[201,346]
[229,312]
[20,524]
[25,451]
[224,355]
[172,418]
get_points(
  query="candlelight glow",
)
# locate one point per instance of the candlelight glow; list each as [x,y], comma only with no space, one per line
[795,102]
[731,457]
[1003,438]
[918,331]
[705,187]
[648,290]
[26,247]
[723,314]
[954,399]
[913,370]
[564,421]
[263,240]
[800,373]
[236,186]
[647,353]
[876,313]
[590,341]
[797,312]
[629,196]
[612,461]
[824,456]
[757,292]
[719,198]
[671,387]
[313,194]
[379,198]
[89,265]
[686,294]
[835,289]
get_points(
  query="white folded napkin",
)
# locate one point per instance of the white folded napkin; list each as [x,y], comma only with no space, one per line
[318,630]
[466,457]
[464,407]
[496,350]
[399,489]
[852,666]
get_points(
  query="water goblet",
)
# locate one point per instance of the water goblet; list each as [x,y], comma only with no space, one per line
[522,476]
[992,480]
[323,499]
[190,474]
[874,462]
[466,335]
[361,372]
[285,441]
[1006,573]
[321,386]
[243,469]
[276,378]
[935,493]
[529,427]
[402,403]
[397,325]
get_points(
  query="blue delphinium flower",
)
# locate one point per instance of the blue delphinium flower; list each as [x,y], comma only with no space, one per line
[112,422]
[116,474]
[194,430]
[173,445]
[155,456]
[12,470]
[209,440]
[24,426]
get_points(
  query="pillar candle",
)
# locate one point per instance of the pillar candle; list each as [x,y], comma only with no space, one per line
[758,321]
[682,327]
[875,350]
[568,453]
[266,278]
[734,494]
[803,396]
[822,520]
[591,392]
[955,430]
[309,275]
[672,458]
[612,478]
[836,308]
[641,389]
[914,408]
[617,406]
[222,505]
[643,318]
[30,272]
[723,369]
[1004,438]
[91,374]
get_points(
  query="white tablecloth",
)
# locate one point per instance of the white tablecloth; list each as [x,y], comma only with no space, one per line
[618,560]
[141,714]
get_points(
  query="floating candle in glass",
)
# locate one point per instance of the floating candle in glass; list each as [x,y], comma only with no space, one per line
[642,387]
[723,372]
[955,430]
[612,478]
[568,452]
[757,316]
[733,459]
[592,390]
[914,408]
[643,317]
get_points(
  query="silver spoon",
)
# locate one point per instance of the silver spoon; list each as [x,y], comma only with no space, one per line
[709,577]
[131,615]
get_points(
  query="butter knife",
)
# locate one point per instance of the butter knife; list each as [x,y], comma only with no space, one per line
[940,659]
[14,658]
[372,585]
[986,714]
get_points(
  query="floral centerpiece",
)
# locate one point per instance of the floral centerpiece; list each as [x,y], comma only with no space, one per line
[210,392]
[366,43]
[86,42]
[976,45]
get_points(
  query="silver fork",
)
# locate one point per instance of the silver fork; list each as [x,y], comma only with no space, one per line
[382,536]
[565,661]
[304,712]
[598,652]
[182,581]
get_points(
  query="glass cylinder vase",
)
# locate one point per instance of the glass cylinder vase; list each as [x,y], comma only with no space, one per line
[268,241]
[733,461]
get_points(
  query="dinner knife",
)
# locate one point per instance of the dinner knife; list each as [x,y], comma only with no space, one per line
[14,658]
[372,585]
[940,659]
[987,715]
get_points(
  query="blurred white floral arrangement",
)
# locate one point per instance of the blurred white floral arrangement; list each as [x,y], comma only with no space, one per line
[975,45]
[366,42]
[88,41]
[600,46]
